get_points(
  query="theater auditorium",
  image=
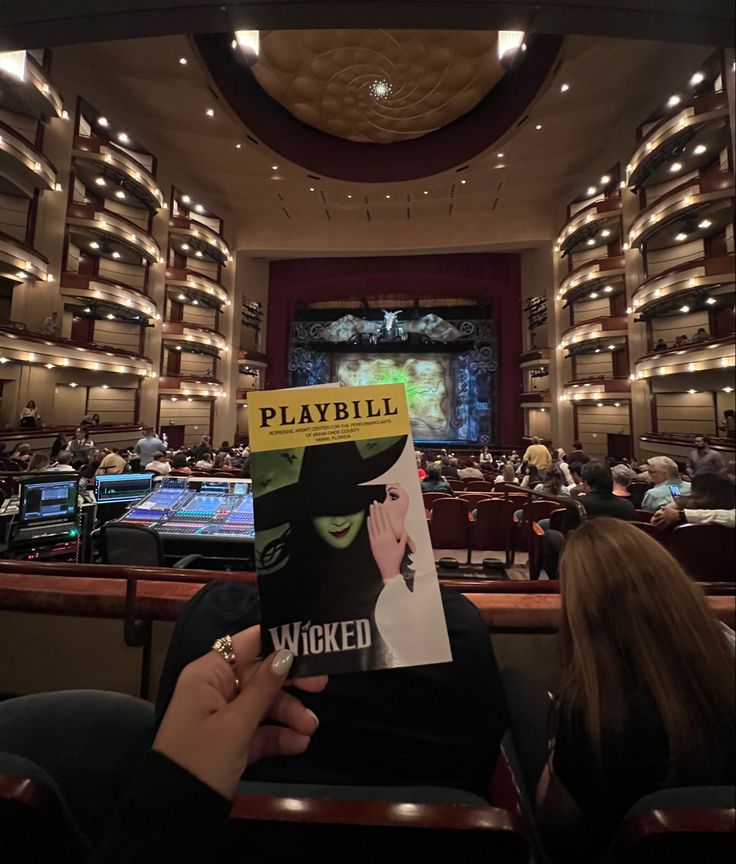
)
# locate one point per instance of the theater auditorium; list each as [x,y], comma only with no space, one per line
[521,213]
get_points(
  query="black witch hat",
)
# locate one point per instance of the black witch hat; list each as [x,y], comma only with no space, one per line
[321,480]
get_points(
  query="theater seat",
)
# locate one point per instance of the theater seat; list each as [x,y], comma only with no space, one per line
[706,552]
[430,497]
[478,486]
[449,526]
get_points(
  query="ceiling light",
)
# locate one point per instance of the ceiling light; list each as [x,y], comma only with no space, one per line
[509,41]
[100,181]
[499,155]
[87,309]
[249,42]
[608,289]
[103,121]
[274,167]
[705,223]
[181,297]
[238,146]
[684,309]
[672,101]
[681,236]
[178,347]
[591,242]
[183,61]
[199,208]
[593,295]
[426,192]
[605,179]
[591,190]
[73,384]
[597,350]
[728,389]
[173,399]
[711,301]
[94,245]
[4,360]
[311,188]
[350,196]
[184,247]
[692,392]
[611,347]
[123,138]
[463,182]
[115,254]
[49,365]
[699,149]
[605,233]
[675,167]
[120,194]
[564,88]
[185,199]
[195,302]
[538,126]
[110,316]
[388,196]
[198,254]
[210,112]
[617,404]
[696,79]
[600,404]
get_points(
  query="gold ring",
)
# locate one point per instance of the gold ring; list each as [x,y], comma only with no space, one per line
[224,647]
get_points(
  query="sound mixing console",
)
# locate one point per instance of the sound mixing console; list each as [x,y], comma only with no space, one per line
[197,509]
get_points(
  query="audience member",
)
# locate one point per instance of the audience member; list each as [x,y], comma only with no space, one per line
[702,458]
[435,482]
[577,454]
[80,446]
[660,345]
[559,460]
[63,462]
[530,476]
[701,335]
[552,483]
[50,326]
[577,479]
[39,463]
[537,454]
[222,461]
[710,493]
[681,340]
[729,423]
[113,463]
[507,475]
[470,471]
[663,472]
[623,476]
[22,454]
[158,464]
[671,515]
[29,416]
[449,468]
[180,464]
[60,443]
[598,499]
[147,446]
[204,446]
[647,694]
[205,461]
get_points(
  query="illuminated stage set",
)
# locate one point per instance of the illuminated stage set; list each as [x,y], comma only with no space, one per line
[446,357]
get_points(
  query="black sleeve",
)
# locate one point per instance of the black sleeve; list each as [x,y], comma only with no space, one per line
[168,815]
[574,762]
[570,520]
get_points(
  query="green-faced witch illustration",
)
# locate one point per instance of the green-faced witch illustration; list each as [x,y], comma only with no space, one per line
[325,544]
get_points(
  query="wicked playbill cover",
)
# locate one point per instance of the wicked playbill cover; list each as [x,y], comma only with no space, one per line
[345,566]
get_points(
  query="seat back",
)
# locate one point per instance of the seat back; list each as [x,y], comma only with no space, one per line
[449,527]
[648,528]
[536,549]
[473,498]
[706,552]
[478,486]
[638,489]
[455,485]
[643,516]
[430,497]
[556,518]
[493,524]
[130,544]
[539,509]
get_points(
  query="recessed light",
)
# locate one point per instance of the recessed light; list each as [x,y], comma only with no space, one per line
[199,208]
[699,149]
[350,196]
[73,384]
[600,404]
[692,392]
[608,289]
[103,121]
[274,167]
[538,126]
[591,190]
[728,389]
[675,167]
[115,254]
[617,404]
[183,61]
[591,242]
[705,223]
[593,295]
[681,236]
[210,112]
[238,146]
[197,254]
[184,247]
[123,137]
[388,196]
[100,181]
[463,182]
[697,78]
[181,297]
[605,233]
[684,309]
[672,101]
[611,347]
[311,188]
[499,155]
[94,245]
[711,301]
[87,309]
[564,88]
[185,199]
[426,192]
[120,194]
[605,179]
[110,316]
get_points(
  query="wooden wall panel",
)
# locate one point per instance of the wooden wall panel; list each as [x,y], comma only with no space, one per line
[595,424]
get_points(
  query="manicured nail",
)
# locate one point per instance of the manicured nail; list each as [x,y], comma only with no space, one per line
[281,663]
[313,715]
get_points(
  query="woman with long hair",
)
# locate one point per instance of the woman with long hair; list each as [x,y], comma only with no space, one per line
[507,475]
[552,483]
[646,700]
[709,491]
[39,463]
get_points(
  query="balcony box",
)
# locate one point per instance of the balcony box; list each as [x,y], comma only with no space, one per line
[201,287]
[692,357]
[596,330]
[593,277]
[534,357]
[27,89]
[22,166]
[588,222]
[199,238]
[118,237]
[194,335]
[712,272]
[190,386]
[595,389]
[90,289]
[21,262]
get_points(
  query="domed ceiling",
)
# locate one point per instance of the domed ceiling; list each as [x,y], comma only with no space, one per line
[378,86]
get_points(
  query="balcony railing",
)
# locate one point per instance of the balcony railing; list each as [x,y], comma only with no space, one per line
[702,356]
[711,187]
[200,238]
[196,334]
[701,111]
[98,289]
[534,357]
[21,262]
[24,346]
[109,160]
[587,222]
[589,276]
[24,165]
[711,271]
[190,385]
[114,227]
[196,283]
[30,91]
[583,389]
[594,330]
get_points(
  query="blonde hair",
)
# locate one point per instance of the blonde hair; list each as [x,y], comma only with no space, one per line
[113,463]
[508,473]
[633,621]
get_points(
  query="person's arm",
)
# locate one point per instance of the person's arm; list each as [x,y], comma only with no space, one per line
[525,457]
[714,517]
[648,503]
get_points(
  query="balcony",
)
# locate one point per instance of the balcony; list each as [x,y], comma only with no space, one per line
[656,293]
[691,357]
[693,135]
[23,346]
[598,224]
[27,89]
[198,239]
[96,157]
[189,386]
[593,277]
[539,399]
[595,389]
[194,336]
[22,165]
[534,357]
[103,294]
[113,235]
[191,284]
[21,262]
[694,209]
[591,335]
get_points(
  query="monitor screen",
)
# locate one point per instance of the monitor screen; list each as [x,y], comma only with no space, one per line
[48,499]
[122,488]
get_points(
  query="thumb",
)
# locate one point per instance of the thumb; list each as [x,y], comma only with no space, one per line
[257,695]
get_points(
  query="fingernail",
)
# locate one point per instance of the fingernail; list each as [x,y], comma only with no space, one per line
[313,715]
[281,663]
